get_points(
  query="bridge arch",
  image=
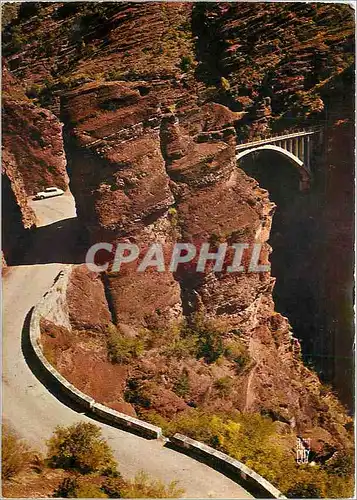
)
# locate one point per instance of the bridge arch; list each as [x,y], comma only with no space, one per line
[305,176]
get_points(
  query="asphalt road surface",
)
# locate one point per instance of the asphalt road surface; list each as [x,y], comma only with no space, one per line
[31,409]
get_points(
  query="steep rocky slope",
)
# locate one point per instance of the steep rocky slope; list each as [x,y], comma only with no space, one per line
[34,137]
[284,52]
[17,215]
[156,173]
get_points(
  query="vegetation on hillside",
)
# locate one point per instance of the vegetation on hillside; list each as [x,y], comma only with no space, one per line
[86,465]
[88,30]
[253,439]
[202,407]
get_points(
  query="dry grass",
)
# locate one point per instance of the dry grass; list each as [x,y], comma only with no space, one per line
[16,455]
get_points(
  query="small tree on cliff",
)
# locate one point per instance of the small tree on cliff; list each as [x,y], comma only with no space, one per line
[81,447]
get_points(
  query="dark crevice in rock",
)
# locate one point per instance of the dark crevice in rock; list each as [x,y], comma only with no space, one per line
[108,296]
[14,233]
[187,293]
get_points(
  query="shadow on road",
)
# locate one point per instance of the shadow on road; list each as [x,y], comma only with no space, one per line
[40,373]
[61,242]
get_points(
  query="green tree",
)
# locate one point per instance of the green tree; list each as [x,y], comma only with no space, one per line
[81,447]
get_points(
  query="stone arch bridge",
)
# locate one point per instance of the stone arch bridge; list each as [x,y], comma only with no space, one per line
[298,147]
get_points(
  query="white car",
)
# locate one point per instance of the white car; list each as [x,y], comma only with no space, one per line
[48,193]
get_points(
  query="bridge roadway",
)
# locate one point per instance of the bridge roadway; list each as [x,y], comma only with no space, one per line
[34,412]
[277,138]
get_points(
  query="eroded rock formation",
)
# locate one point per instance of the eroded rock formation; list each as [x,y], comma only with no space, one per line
[33,158]
[164,174]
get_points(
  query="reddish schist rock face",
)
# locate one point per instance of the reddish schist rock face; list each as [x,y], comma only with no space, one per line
[17,216]
[87,305]
[118,174]
[32,159]
[131,159]
[33,137]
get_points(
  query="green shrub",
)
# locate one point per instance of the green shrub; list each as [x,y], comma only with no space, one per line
[115,75]
[142,486]
[343,464]
[173,216]
[182,347]
[182,385]
[249,438]
[186,63]
[202,339]
[123,349]
[81,447]
[74,488]
[113,487]
[15,454]
[224,386]
[302,490]
[9,11]
[137,394]
[252,439]
[238,353]
[66,488]
[89,491]
[210,340]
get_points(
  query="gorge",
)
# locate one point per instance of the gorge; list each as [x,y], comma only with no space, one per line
[138,108]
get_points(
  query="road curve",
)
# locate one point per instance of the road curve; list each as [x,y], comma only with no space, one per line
[33,411]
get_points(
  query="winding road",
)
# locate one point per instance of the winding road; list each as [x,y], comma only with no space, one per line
[32,410]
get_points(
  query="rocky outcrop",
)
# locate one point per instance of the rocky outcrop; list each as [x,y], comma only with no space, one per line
[282,52]
[120,182]
[18,217]
[33,137]
[33,159]
[156,173]
[87,305]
